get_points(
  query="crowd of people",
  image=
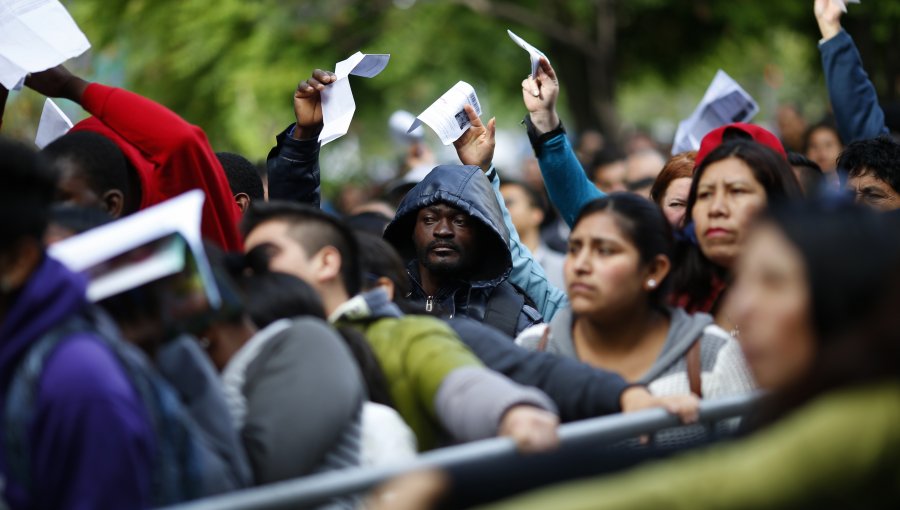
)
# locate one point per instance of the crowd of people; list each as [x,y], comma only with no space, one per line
[459,306]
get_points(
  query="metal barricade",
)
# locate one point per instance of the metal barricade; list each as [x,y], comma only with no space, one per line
[317,489]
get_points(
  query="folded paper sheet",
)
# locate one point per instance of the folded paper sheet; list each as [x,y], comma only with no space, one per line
[533,52]
[724,102]
[446,116]
[338,105]
[54,124]
[178,216]
[35,35]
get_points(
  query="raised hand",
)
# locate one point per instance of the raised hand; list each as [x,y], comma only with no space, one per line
[533,429]
[828,16]
[308,104]
[476,145]
[539,94]
[57,82]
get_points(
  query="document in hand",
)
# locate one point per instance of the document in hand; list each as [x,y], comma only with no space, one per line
[724,102]
[446,116]
[147,246]
[338,105]
[36,35]
[533,52]
[54,124]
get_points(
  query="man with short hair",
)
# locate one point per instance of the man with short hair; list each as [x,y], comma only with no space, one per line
[243,179]
[873,170]
[440,387]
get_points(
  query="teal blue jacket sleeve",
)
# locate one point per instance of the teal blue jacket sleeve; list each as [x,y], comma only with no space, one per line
[567,184]
[526,273]
[853,97]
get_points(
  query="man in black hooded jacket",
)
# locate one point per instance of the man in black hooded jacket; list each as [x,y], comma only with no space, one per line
[449,228]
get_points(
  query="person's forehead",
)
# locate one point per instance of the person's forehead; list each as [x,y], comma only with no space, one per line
[441,208]
[273,231]
[867,179]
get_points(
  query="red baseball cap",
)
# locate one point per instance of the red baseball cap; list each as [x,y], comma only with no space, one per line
[761,135]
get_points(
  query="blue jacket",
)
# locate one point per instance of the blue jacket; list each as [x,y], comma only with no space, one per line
[465,188]
[91,444]
[853,98]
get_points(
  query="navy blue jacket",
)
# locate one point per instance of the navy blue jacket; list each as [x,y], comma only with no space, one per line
[853,98]
[477,295]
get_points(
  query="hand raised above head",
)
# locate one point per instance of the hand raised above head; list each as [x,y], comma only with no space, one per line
[57,82]
[539,94]
[828,16]
[308,104]
[476,145]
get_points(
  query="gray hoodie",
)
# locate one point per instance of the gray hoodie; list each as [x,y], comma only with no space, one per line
[724,371]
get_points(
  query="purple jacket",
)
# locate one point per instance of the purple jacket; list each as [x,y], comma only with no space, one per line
[91,443]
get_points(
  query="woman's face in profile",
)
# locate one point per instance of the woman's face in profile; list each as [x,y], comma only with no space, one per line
[771,304]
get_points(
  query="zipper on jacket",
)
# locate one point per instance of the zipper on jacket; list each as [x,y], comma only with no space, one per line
[429,303]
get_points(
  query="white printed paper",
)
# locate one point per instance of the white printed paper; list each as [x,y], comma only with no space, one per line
[338,105]
[723,103]
[533,52]
[843,3]
[54,124]
[180,215]
[446,116]
[35,35]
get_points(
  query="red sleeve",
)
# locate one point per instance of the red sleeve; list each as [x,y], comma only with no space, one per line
[180,154]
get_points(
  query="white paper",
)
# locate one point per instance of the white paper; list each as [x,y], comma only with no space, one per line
[843,3]
[446,116]
[533,52]
[180,215]
[338,105]
[54,124]
[723,103]
[35,35]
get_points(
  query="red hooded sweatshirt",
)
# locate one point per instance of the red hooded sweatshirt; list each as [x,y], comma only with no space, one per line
[170,155]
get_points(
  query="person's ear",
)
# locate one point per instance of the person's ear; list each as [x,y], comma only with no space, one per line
[327,264]
[657,270]
[388,286]
[243,201]
[114,202]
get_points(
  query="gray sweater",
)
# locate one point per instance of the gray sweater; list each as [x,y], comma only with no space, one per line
[296,395]
[724,371]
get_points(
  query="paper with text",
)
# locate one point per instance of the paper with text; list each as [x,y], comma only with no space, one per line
[36,35]
[533,52]
[54,123]
[338,105]
[723,103]
[446,116]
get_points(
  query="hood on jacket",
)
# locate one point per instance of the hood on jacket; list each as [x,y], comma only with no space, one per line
[50,295]
[465,188]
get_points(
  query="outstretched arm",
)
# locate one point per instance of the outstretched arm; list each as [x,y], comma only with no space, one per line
[476,147]
[567,184]
[293,164]
[853,97]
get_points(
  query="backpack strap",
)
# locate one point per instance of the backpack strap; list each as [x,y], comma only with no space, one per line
[21,396]
[694,368]
[503,308]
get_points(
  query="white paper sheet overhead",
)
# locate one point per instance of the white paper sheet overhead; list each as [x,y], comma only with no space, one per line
[54,124]
[338,105]
[446,116]
[723,103]
[533,52]
[36,35]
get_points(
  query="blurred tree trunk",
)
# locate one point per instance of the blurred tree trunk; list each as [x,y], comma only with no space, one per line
[582,48]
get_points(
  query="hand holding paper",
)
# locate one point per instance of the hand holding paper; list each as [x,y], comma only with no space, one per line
[338,105]
[446,116]
[476,145]
[533,52]
[35,35]
[308,104]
